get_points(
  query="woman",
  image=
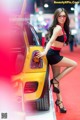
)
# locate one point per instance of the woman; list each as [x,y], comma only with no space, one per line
[59,32]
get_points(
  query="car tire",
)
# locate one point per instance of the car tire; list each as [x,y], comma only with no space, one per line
[43,104]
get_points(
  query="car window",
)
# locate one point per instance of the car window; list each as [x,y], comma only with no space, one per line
[32,35]
[35,37]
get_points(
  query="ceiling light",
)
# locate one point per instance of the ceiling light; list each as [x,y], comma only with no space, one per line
[46,5]
[72,8]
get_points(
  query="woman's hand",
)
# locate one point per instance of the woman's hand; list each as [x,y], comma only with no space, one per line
[41,54]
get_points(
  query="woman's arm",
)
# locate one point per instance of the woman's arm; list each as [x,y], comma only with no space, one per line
[56,32]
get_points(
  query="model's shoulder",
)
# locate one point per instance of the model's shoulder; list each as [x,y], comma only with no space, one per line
[58,28]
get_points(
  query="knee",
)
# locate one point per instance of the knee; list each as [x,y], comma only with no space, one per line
[75,64]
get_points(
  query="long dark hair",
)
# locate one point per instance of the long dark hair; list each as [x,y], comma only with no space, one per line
[55,22]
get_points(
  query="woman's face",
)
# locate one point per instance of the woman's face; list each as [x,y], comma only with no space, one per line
[62,18]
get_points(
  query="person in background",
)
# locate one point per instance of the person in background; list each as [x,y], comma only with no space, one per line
[71,42]
[59,35]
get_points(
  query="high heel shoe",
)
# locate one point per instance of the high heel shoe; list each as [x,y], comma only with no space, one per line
[62,109]
[55,89]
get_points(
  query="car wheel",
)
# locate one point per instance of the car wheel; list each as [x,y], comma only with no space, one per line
[43,104]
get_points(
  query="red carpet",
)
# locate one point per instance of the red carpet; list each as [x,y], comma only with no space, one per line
[70,88]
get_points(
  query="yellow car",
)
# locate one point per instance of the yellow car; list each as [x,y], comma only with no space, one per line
[30,74]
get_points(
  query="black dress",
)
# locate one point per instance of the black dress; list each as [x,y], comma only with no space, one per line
[53,55]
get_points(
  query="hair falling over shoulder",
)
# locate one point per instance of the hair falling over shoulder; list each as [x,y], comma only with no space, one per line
[55,22]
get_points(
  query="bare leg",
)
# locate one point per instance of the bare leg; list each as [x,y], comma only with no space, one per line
[56,72]
[65,62]
[68,63]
